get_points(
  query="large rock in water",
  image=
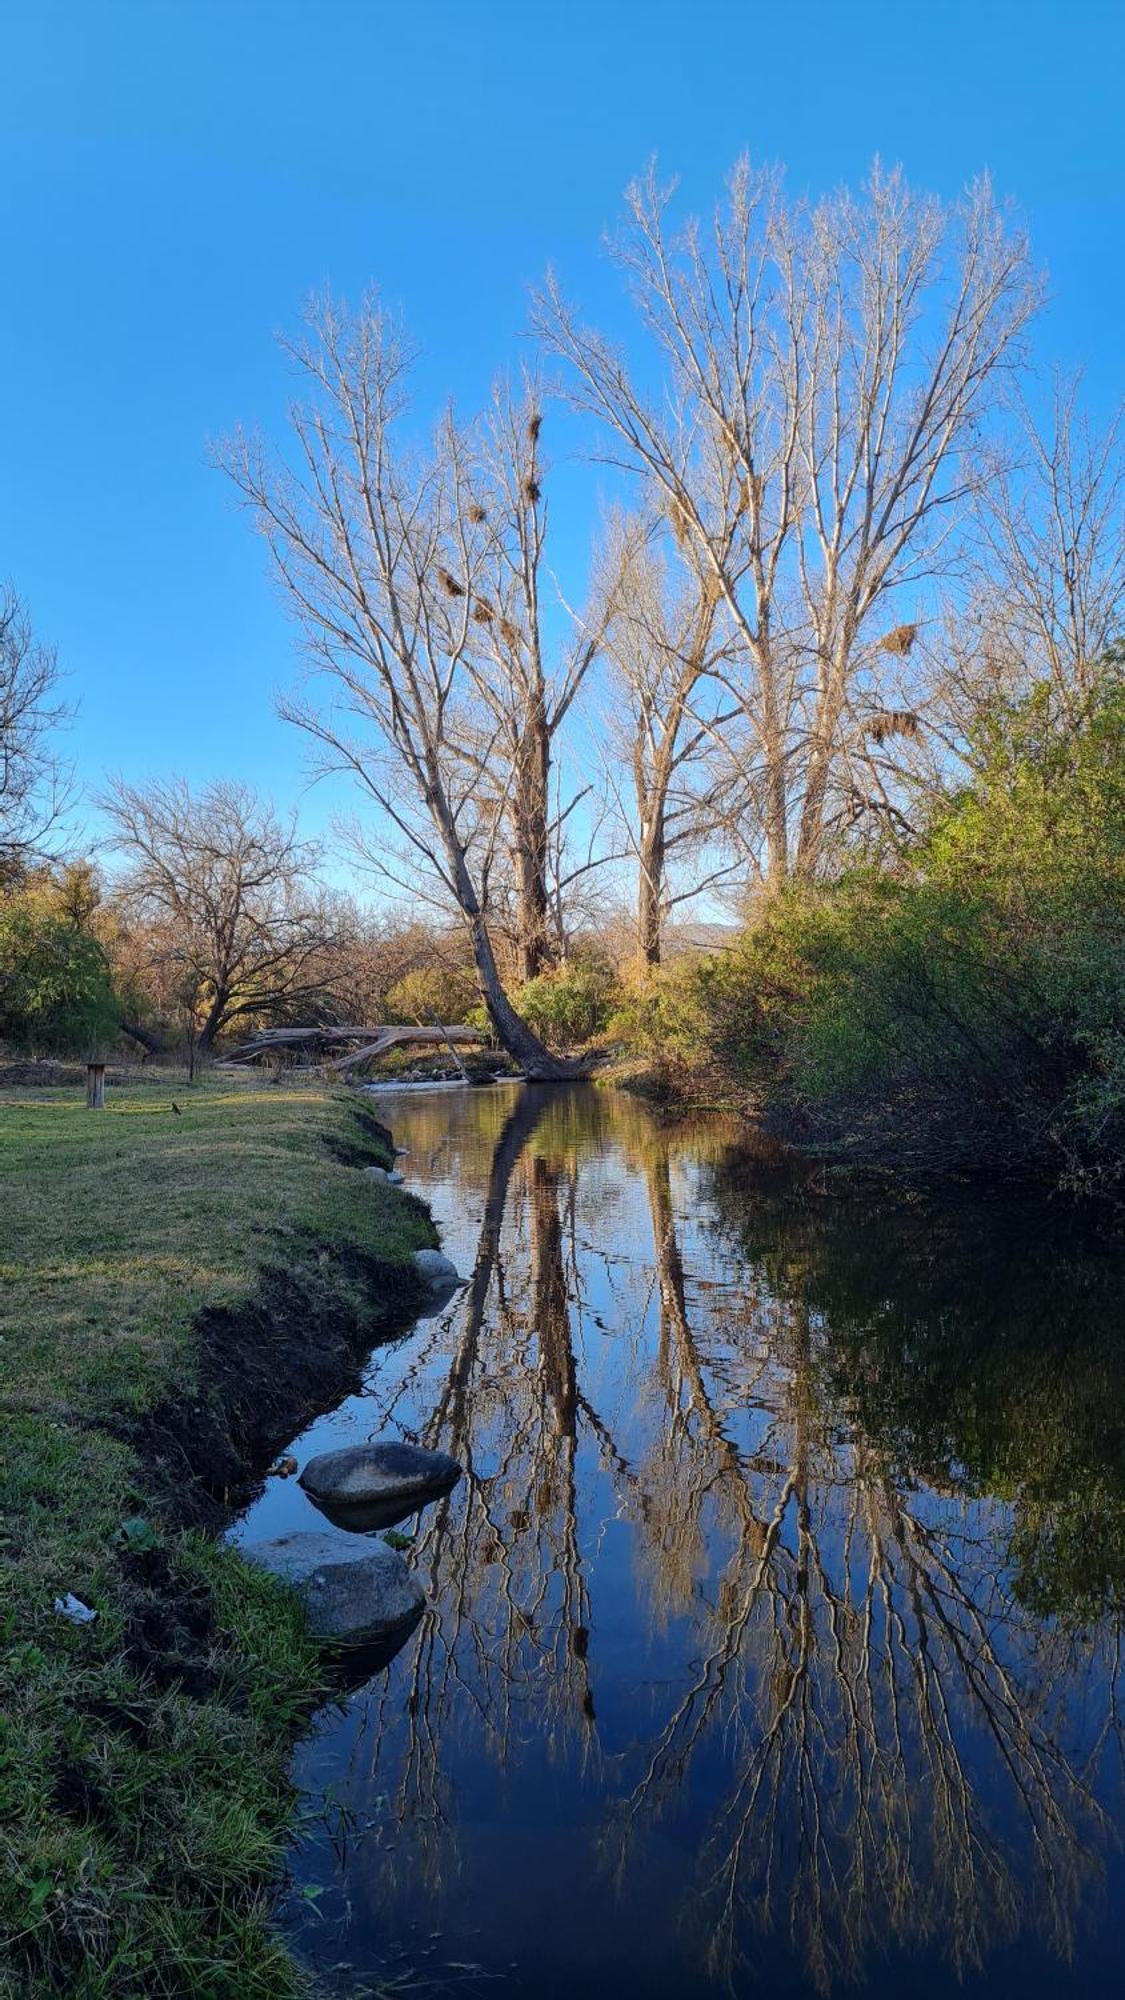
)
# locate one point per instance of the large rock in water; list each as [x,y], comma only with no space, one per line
[437,1269]
[354,1593]
[382,1475]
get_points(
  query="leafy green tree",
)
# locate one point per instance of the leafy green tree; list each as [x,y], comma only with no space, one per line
[56,987]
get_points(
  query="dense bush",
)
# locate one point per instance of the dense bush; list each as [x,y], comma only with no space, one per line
[56,988]
[968,1009]
[433,992]
[570,1005]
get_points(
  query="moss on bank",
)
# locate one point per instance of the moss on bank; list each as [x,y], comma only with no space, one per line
[178,1294]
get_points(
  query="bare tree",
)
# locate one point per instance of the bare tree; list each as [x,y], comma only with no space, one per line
[223,892]
[527,695]
[665,643]
[829,368]
[1047,587]
[388,559]
[34,786]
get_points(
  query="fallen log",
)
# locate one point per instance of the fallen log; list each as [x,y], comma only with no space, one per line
[375,1042]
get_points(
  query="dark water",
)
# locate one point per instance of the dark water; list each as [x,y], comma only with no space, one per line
[774,1640]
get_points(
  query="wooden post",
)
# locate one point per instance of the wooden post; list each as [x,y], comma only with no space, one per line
[95,1086]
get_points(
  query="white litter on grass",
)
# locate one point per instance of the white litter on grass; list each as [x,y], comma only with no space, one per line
[73,1608]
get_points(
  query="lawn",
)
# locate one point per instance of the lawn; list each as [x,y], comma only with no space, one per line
[175,1287]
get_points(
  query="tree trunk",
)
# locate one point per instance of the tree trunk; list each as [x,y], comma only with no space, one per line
[529,817]
[777,820]
[215,1017]
[650,889]
[776,775]
[511,1032]
[832,679]
[153,1043]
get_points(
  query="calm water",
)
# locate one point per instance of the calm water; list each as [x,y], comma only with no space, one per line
[774,1638]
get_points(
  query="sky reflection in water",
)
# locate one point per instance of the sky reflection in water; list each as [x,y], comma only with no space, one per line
[773,1637]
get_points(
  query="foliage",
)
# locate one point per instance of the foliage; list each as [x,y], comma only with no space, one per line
[966,1010]
[571,1004]
[56,987]
[432,992]
[663,1016]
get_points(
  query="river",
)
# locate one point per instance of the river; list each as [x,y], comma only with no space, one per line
[773,1640]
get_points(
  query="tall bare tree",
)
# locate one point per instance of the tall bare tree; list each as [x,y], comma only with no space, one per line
[828,370]
[34,786]
[525,686]
[223,894]
[1047,587]
[390,562]
[664,642]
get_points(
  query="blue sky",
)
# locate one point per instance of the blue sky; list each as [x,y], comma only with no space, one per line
[177,175]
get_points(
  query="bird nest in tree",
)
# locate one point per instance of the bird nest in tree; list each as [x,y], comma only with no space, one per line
[893,722]
[900,640]
[680,523]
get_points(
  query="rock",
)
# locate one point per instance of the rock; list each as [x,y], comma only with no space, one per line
[379,1476]
[285,1468]
[377,1173]
[396,1179]
[437,1269]
[353,1592]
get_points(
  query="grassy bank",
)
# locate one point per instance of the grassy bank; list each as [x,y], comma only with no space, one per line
[178,1292]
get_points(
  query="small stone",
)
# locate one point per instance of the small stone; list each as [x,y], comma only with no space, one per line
[352,1592]
[437,1269]
[363,1475]
[284,1469]
[395,1178]
[376,1173]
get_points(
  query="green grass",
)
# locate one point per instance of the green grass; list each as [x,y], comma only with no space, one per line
[144,1802]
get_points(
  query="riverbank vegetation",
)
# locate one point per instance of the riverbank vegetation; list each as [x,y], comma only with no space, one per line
[962,1008]
[803,793]
[182,1288]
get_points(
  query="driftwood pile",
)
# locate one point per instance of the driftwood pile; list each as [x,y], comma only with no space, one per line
[318,1047]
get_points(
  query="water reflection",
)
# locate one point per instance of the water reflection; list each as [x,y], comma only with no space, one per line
[774,1631]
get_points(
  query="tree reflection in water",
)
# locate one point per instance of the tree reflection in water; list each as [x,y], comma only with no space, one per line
[823,1497]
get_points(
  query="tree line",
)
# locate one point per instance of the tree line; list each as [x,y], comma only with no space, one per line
[829,540]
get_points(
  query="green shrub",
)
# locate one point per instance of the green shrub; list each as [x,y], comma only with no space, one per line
[671,1017]
[56,988]
[571,1004]
[433,992]
[967,1010]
